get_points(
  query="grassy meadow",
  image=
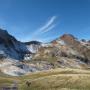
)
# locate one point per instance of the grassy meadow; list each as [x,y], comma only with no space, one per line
[55,79]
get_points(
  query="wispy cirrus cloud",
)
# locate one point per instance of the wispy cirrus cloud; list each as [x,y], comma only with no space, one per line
[48,26]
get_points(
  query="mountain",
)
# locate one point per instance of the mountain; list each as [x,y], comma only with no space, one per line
[65,51]
[33,46]
[83,47]
[12,52]
[10,47]
[18,58]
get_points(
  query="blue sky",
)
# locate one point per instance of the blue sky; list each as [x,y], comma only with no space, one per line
[45,20]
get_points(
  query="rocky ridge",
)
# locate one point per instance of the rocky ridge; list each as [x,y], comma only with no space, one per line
[22,58]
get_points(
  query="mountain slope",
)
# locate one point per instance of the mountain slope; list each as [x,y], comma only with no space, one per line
[66,51]
[21,58]
[10,47]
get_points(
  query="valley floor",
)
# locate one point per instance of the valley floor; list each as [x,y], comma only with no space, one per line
[55,79]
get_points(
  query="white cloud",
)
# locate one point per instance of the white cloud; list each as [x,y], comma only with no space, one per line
[48,24]
[49,28]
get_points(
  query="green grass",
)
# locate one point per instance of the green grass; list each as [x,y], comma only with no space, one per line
[57,79]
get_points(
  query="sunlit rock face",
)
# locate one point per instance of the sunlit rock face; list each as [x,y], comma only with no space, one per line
[81,46]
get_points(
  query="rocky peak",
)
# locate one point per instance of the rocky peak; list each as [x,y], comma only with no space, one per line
[6,38]
[11,47]
[69,39]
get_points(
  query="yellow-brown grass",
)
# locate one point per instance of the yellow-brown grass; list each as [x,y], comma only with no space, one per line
[55,79]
